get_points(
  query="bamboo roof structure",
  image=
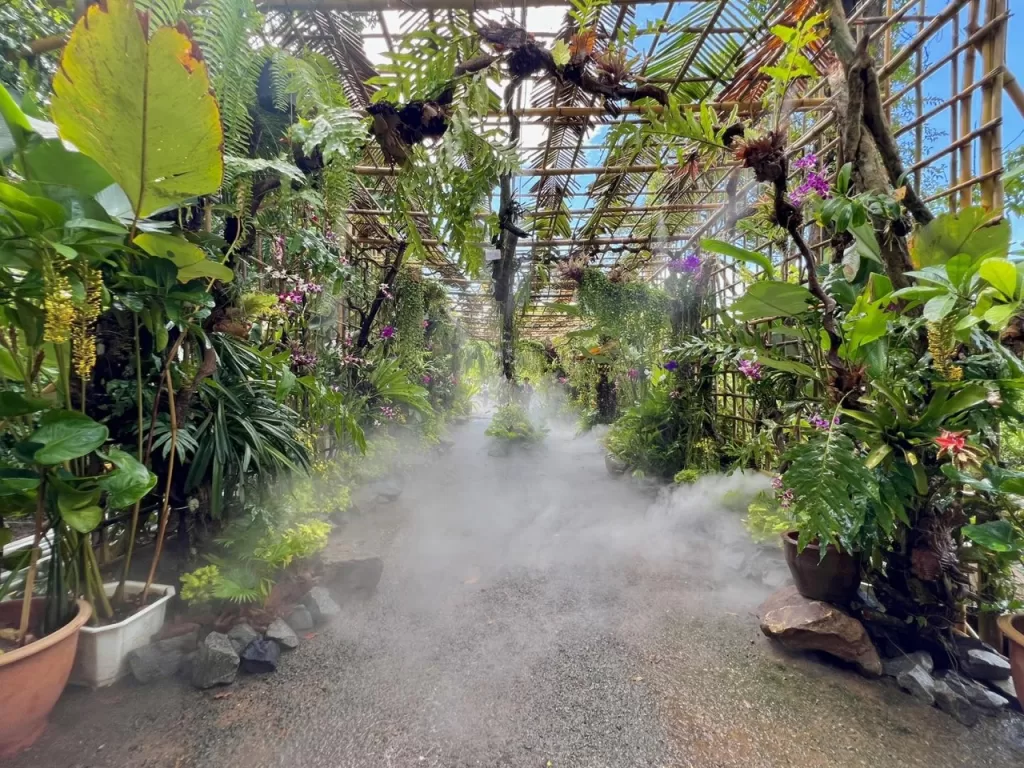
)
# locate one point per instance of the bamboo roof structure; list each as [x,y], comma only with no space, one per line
[588,195]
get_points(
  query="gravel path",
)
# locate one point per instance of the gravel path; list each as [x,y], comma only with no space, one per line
[533,612]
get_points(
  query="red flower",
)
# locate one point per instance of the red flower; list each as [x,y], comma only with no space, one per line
[952,443]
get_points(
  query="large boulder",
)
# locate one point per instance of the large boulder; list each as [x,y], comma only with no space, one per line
[802,624]
[980,661]
[321,605]
[955,705]
[216,663]
[988,701]
[280,632]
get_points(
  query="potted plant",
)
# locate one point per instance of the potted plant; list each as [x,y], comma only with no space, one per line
[1012,627]
[78,245]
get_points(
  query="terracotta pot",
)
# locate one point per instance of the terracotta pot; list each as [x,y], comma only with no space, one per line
[1012,627]
[834,579]
[32,678]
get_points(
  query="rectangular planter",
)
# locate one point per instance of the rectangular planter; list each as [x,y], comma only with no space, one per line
[103,651]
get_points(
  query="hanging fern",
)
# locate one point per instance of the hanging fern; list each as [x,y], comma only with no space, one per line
[225,30]
[309,82]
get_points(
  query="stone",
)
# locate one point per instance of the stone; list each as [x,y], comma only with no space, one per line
[216,663]
[300,619]
[1005,688]
[321,605]
[260,656]
[353,578]
[282,634]
[897,665]
[918,683]
[387,490]
[614,464]
[241,635]
[988,701]
[156,660]
[982,664]
[955,705]
[801,624]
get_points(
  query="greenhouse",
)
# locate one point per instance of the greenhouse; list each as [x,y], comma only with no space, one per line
[562,384]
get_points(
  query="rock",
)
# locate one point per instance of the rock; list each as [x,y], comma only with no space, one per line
[988,701]
[811,625]
[387,490]
[261,655]
[321,605]
[897,665]
[241,635]
[216,663]
[444,445]
[1004,688]
[918,683]
[300,619]
[353,578]
[986,665]
[614,464]
[955,705]
[157,660]
[283,634]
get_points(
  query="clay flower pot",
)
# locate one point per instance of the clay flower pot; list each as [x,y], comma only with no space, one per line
[32,678]
[834,579]
[1012,627]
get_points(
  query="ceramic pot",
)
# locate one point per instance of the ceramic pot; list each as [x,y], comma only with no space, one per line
[32,678]
[1012,627]
[834,579]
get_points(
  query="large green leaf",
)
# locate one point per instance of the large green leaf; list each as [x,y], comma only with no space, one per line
[771,299]
[128,483]
[16,404]
[190,259]
[15,481]
[740,254]
[995,536]
[141,108]
[1001,275]
[66,435]
[972,231]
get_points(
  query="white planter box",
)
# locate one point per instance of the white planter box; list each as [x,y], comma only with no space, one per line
[102,651]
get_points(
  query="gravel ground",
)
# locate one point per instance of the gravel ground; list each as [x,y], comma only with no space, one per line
[534,612]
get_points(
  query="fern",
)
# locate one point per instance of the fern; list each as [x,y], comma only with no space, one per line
[163,13]
[833,491]
[308,83]
[225,30]
[241,165]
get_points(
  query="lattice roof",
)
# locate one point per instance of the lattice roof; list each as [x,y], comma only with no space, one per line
[586,194]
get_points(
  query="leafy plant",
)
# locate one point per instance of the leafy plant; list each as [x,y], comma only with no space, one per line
[511,423]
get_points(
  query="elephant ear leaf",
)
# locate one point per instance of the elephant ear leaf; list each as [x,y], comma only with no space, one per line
[140,106]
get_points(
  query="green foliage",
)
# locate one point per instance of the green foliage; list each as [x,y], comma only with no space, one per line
[278,550]
[766,519]
[835,494]
[511,422]
[225,30]
[687,476]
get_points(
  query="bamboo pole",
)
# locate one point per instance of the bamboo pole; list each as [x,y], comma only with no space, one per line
[998,11]
[987,110]
[919,105]
[966,107]
[954,115]
[677,208]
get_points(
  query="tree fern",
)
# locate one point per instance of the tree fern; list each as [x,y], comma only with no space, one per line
[833,490]
[225,30]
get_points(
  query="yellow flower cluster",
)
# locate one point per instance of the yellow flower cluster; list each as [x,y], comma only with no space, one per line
[83,331]
[58,304]
[942,344]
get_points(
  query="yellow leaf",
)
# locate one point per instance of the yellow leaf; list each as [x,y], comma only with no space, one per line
[141,108]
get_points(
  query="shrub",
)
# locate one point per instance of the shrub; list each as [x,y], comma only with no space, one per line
[512,423]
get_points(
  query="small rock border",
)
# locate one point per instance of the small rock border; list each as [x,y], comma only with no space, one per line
[214,659]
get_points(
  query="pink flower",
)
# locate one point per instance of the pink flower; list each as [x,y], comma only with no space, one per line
[387,332]
[426,379]
[750,368]
[426,323]
[633,374]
